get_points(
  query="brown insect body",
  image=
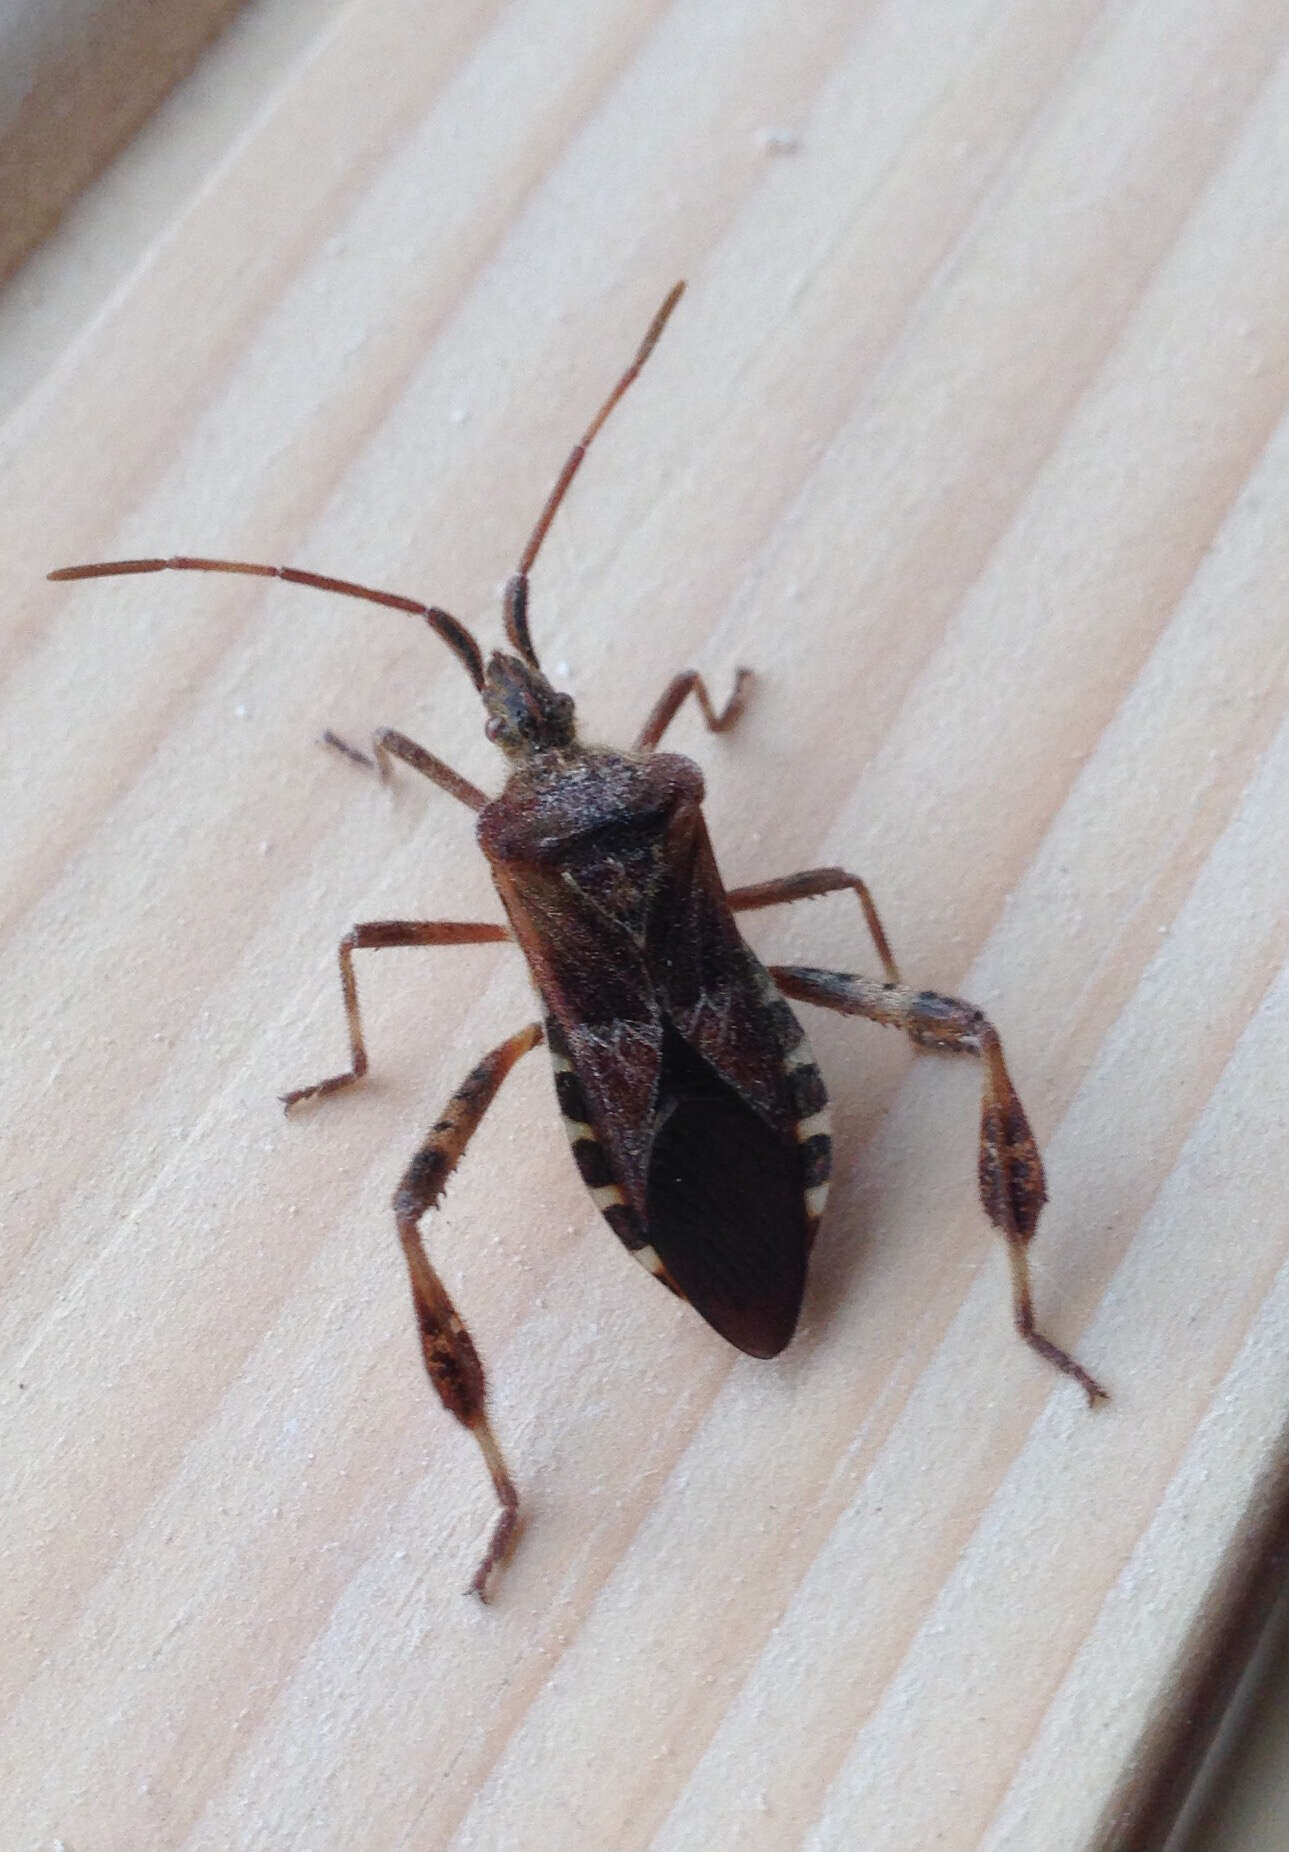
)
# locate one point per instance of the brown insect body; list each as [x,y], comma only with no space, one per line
[671,1045]
[696,1114]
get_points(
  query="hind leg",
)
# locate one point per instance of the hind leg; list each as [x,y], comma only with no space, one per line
[1010,1171]
[451,1359]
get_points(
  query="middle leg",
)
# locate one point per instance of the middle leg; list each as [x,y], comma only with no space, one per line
[376,934]
[805,886]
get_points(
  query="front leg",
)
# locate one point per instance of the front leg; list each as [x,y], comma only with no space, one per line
[688,682]
[1012,1188]
[387,745]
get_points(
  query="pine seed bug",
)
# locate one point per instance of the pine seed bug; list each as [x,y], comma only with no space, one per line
[696,1114]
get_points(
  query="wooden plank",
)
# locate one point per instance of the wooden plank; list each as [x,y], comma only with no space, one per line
[969,436]
[77,79]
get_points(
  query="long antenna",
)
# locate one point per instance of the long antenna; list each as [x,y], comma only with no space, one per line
[517,586]
[452,631]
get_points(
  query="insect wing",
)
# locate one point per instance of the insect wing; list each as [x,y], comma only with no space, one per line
[733,1184]
[680,1073]
[727,1215]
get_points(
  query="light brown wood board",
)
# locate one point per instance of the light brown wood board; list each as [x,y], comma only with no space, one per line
[77,78]
[969,436]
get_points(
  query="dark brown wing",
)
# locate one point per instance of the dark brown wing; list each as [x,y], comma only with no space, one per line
[603,1020]
[726,1209]
[729,1171]
[678,1068]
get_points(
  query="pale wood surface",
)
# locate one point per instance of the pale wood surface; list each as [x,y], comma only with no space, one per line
[77,77]
[969,436]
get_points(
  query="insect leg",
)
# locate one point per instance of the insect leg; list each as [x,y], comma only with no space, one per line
[450,1356]
[1010,1170]
[805,886]
[387,745]
[669,701]
[374,935]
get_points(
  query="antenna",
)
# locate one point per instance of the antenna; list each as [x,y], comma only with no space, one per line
[452,631]
[516,608]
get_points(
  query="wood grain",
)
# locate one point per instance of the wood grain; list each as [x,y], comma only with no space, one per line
[77,78]
[969,435]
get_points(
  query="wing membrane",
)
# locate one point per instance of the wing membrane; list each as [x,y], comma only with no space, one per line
[679,1043]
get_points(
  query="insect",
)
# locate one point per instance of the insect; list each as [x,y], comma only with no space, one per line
[696,1113]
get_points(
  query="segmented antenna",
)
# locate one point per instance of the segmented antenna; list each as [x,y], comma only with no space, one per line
[516,608]
[452,631]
